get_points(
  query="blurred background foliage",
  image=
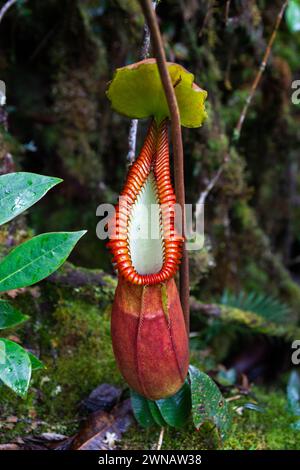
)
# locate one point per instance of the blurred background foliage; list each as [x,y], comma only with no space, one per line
[56,58]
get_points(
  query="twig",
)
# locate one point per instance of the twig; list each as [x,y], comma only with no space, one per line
[6,7]
[209,187]
[134,122]
[176,141]
[236,397]
[211,184]
[238,128]
[160,439]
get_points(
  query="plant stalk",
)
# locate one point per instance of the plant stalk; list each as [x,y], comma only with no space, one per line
[158,47]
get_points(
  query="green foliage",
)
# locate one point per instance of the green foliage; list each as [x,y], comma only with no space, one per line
[156,414]
[292,15]
[36,259]
[177,408]
[208,404]
[264,305]
[198,396]
[141,410]
[19,191]
[25,265]
[15,367]
[173,411]
[136,91]
[36,364]
[10,316]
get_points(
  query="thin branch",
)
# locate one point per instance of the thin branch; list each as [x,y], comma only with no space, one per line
[6,7]
[210,186]
[238,128]
[134,122]
[176,141]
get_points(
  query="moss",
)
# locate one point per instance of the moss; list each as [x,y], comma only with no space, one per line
[85,359]
[69,329]
[251,431]
[268,430]
[188,439]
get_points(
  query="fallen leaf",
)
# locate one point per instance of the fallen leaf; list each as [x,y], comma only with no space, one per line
[102,429]
[10,447]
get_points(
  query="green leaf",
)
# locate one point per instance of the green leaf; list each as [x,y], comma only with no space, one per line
[10,316]
[292,16]
[15,366]
[208,403]
[18,191]
[156,414]
[176,409]
[36,259]
[141,410]
[36,364]
[136,91]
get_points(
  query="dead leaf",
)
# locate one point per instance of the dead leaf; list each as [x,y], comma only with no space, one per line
[12,419]
[46,441]
[10,447]
[102,430]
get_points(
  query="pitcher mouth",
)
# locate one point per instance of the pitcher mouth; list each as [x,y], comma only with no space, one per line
[149,259]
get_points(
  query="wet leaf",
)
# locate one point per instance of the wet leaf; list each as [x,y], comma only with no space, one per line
[19,191]
[10,316]
[36,259]
[136,91]
[102,430]
[208,403]
[15,366]
[141,410]
[176,409]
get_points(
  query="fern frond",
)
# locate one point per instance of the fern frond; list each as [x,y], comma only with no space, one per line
[265,305]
